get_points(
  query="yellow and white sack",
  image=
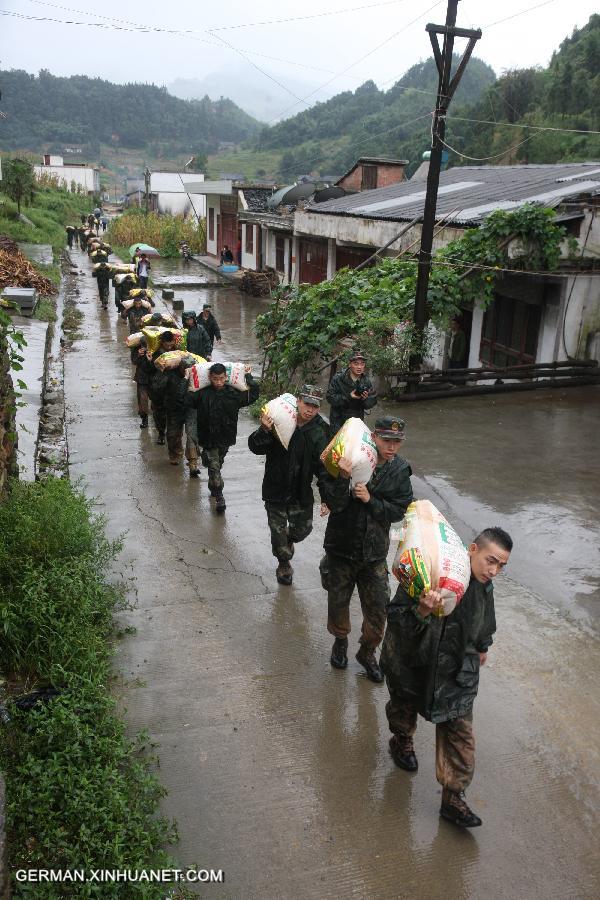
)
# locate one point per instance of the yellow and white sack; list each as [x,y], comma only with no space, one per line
[431,556]
[173,358]
[355,442]
[284,411]
[235,374]
[127,304]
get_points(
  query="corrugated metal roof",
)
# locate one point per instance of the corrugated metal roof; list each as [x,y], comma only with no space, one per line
[469,193]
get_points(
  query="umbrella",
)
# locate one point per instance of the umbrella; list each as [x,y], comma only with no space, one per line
[144,248]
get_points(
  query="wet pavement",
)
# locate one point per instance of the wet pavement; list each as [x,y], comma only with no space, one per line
[276,766]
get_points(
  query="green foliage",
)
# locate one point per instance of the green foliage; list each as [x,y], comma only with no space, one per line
[374,306]
[18,180]
[165,232]
[331,135]
[562,96]
[79,791]
[46,109]
[51,210]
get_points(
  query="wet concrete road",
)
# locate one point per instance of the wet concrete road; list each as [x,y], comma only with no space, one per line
[277,766]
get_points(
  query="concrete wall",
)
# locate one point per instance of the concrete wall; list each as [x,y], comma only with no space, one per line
[366,232]
[582,317]
[214,201]
[250,260]
[88,178]
[179,204]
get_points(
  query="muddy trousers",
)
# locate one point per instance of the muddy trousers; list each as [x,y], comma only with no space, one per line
[159,414]
[103,292]
[339,577]
[142,399]
[288,524]
[213,458]
[454,741]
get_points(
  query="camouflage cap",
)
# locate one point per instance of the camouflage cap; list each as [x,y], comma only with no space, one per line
[390,428]
[357,354]
[311,394]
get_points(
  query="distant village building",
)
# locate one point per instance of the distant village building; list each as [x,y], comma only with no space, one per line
[84,178]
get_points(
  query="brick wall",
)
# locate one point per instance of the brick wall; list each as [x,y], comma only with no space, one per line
[386,175]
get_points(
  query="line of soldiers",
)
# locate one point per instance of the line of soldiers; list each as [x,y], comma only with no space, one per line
[430,663]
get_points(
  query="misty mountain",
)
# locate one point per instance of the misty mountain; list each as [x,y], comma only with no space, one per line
[248,89]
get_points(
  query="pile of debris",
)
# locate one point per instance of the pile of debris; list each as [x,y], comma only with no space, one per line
[7,243]
[259,284]
[17,271]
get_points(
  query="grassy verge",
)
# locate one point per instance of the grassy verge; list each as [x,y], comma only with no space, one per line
[52,209]
[80,794]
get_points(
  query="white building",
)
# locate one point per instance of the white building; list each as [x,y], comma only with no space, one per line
[171,192]
[86,178]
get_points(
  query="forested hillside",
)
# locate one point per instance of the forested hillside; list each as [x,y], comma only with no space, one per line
[562,96]
[368,121]
[45,111]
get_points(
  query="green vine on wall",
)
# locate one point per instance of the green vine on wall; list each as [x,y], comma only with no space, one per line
[374,306]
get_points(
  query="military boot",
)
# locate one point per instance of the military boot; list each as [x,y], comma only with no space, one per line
[455,808]
[284,573]
[220,505]
[339,653]
[161,437]
[144,421]
[366,657]
[402,751]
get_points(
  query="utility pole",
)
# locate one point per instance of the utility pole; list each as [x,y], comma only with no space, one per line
[147,188]
[447,85]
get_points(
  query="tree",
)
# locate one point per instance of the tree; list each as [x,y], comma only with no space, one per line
[18,180]
[199,163]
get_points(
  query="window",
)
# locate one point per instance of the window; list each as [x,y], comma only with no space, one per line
[249,238]
[279,253]
[211,223]
[369,178]
[510,332]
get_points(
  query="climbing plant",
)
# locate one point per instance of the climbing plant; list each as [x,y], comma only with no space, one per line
[374,306]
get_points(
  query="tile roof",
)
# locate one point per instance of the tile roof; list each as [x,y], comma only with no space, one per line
[467,194]
[256,198]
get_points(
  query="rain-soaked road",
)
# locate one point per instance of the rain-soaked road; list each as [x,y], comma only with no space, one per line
[277,766]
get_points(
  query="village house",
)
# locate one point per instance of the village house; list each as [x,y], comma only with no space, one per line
[74,176]
[534,318]
[227,204]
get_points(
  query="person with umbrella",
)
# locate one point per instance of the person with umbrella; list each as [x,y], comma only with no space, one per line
[143,270]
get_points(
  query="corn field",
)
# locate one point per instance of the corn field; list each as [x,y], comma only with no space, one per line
[164,232]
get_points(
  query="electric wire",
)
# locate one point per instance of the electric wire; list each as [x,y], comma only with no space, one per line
[356,62]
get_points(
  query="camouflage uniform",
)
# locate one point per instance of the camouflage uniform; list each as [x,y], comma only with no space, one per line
[213,459]
[432,669]
[357,540]
[339,577]
[288,525]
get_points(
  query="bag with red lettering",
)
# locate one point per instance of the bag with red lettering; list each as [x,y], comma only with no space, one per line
[283,410]
[431,556]
[235,374]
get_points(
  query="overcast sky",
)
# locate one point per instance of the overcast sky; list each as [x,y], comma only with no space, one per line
[326,48]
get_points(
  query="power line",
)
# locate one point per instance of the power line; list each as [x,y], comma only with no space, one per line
[488,158]
[238,25]
[518,125]
[319,159]
[356,62]
[517,14]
